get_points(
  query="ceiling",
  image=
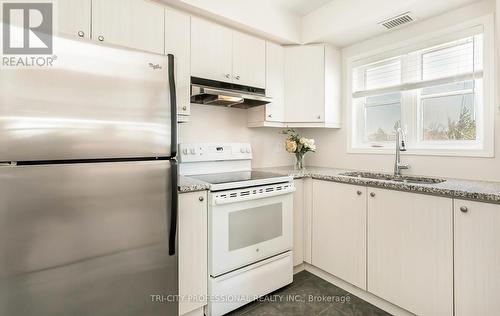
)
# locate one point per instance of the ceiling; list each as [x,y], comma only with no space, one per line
[345,22]
[299,7]
[339,22]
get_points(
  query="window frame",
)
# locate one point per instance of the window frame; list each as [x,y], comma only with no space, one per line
[484,146]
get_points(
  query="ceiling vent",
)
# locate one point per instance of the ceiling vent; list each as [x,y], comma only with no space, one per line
[398,21]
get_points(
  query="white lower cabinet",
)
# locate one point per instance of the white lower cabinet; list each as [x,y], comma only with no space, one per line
[410,251]
[477,258]
[339,230]
[298,223]
[193,251]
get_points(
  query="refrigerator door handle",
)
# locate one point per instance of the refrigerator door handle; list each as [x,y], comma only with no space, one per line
[173,105]
[173,209]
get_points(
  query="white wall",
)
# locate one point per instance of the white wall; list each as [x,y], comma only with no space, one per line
[221,124]
[332,144]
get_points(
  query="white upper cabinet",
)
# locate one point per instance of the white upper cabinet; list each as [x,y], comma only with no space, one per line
[312,86]
[221,54]
[211,51]
[275,82]
[74,17]
[339,230]
[477,258]
[249,60]
[410,251]
[178,43]
[137,24]
[271,114]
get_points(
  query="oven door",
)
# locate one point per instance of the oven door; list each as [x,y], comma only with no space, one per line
[247,231]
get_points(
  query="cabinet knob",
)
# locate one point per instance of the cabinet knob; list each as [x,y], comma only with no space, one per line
[359,193]
[270,116]
[184,108]
[201,198]
[464,209]
[319,117]
[237,77]
[101,38]
[372,194]
[227,76]
[81,33]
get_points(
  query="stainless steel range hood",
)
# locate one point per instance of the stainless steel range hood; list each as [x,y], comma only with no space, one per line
[211,92]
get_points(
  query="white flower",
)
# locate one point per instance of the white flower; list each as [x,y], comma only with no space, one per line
[309,144]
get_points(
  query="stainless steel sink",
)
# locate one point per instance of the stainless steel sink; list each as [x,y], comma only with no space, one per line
[392,177]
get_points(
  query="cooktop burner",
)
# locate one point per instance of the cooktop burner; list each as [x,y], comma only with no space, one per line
[241,179]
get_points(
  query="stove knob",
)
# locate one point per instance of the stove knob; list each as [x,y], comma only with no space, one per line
[185,151]
[248,150]
[242,150]
[192,151]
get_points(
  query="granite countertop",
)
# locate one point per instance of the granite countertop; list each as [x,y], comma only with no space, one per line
[481,191]
[191,185]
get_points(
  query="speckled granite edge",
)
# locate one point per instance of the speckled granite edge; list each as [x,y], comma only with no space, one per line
[480,191]
[191,185]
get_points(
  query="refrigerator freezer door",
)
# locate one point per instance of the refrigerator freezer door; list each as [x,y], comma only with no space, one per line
[86,239]
[94,102]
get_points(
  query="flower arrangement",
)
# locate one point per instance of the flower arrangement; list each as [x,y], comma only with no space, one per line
[298,145]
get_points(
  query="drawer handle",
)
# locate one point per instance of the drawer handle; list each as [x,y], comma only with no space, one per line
[464,209]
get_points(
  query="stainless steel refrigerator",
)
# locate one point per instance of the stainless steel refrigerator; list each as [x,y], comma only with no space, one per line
[88,193]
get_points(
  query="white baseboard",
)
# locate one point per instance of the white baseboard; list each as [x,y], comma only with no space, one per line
[196,312]
[298,268]
[362,294]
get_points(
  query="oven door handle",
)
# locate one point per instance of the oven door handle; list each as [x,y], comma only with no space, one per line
[218,200]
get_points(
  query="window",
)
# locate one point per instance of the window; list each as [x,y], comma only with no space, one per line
[435,93]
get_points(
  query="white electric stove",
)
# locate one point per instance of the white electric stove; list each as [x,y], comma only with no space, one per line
[250,223]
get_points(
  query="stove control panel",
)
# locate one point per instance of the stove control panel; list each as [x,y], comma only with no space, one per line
[214,152]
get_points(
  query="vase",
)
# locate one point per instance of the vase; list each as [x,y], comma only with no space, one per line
[299,161]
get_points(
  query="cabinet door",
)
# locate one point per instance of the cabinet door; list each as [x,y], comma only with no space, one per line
[211,51]
[298,223]
[305,83]
[275,82]
[339,230]
[249,60]
[477,258]
[74,17]
[178,43]
[137,24]
[193,256]
[410,251]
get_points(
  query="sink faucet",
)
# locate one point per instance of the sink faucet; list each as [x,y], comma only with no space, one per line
[400,146]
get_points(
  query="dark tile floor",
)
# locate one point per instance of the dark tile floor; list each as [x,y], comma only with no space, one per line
[309,295]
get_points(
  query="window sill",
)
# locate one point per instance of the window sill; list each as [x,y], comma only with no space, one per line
[424,152]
